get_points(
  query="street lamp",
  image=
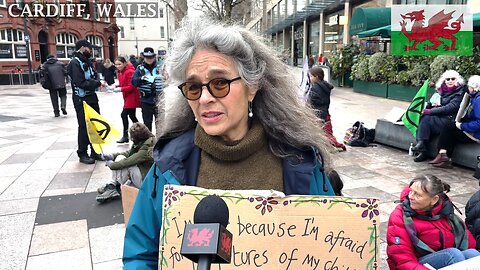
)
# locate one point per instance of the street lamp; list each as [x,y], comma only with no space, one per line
[27,43]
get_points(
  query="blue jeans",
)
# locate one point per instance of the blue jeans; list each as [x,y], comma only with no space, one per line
[447,257]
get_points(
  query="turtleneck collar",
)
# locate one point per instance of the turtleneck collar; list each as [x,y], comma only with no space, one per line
[254,140]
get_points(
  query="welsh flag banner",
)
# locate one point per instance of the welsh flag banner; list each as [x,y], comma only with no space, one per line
[431,30]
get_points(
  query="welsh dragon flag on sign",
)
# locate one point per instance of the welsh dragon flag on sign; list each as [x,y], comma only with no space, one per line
[431,30]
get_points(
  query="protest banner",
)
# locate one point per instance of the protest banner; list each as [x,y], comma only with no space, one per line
[272,231]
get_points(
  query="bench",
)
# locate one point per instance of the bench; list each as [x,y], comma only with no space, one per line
[398,136]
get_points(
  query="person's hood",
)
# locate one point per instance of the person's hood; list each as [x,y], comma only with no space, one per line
[51,61]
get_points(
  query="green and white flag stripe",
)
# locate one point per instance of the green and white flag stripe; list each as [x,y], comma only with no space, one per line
[425,31]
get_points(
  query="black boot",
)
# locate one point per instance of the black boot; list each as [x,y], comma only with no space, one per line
[420,147]
[421,157]
[124,139]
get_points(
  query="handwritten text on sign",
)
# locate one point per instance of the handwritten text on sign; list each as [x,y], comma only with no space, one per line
[275,232]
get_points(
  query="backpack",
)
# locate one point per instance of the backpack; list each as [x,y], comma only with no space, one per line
[359,135]
[45,79]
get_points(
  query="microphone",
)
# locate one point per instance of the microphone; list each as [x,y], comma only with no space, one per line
[207,241]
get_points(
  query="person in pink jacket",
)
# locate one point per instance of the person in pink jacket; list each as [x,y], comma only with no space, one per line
[131,96]
[423,228]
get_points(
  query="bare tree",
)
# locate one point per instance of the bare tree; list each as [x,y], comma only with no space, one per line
[179,9]
[225,10]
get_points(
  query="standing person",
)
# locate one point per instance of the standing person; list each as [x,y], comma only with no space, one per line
[84,85]
[450,87]
[319,98]
[472,216]
[133,61]
[131,165]
[108,71]
[423,228]
[320,59]
[131,96]
[148,78]
[251,130]
[56,72]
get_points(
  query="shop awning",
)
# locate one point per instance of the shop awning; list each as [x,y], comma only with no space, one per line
[384,32]
[364,19]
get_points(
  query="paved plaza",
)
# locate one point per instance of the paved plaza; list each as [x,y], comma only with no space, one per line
[48,215]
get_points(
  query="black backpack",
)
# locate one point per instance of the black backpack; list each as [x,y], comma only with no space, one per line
[359,135]
[45,79]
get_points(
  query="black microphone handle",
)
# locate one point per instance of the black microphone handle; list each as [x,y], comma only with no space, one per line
[204,262]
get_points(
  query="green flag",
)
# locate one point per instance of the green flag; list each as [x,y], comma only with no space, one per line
[411,118]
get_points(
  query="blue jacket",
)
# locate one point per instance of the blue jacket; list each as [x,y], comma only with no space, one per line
[471,123]
[177,162]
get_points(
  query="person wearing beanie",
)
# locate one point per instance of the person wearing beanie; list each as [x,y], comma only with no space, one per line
[441,110]
[84,84]
[149,79]
[466,131]
[54,71]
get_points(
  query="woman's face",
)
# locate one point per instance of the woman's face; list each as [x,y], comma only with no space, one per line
[450,82]
[419,199]
[471,90]
[228,116]
[119,65]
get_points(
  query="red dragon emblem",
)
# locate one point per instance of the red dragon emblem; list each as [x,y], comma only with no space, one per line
[226,243]
[438,27]
[199,238]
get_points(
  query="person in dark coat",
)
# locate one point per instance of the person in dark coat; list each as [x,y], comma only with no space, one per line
[131,95]
[319,98]
[133,61]
[437,114]
[472,216]
[56,72]
[466,131]
[108,71]
[84,84]
[423,228]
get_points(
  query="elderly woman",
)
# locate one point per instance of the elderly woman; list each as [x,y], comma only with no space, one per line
[240,123]
[131,165]
[467,131]
[423,228]
[438,113]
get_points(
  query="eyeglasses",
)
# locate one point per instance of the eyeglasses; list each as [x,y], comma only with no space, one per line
[218,88]
[450,79]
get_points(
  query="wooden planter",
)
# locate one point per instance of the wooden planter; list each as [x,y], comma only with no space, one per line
[371,88]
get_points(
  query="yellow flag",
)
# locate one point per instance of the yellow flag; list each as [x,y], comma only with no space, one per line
[98,129]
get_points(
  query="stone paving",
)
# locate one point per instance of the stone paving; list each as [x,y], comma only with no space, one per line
[48,215]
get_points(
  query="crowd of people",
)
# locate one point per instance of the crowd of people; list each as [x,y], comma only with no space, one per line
[233,122]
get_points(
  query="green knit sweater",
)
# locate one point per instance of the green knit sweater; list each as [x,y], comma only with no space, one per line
[241,165]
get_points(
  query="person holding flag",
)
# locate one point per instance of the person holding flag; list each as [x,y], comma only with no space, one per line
[436,114]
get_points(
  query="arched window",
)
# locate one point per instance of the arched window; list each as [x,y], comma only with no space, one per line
[12,44]
[65,45]
[97,44]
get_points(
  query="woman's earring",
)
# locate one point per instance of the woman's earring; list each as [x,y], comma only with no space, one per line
[195,119]
[250,113]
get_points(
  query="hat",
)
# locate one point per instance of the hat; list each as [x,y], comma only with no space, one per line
[82,43]
[148,52]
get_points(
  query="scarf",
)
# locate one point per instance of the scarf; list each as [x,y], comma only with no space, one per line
[458,228]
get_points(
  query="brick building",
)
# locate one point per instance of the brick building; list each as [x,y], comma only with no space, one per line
[55,36]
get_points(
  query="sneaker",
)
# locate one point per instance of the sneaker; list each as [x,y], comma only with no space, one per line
[103,188]
[64,111]
[110,193]
[86,160]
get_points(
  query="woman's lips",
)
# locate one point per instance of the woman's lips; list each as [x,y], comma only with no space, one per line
[210,117]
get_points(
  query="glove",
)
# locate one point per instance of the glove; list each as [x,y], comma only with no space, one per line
[109,163]
[117,89]
[458,124]
[108,156]
[426,111]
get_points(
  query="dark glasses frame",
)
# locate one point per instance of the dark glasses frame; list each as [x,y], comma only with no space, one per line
[450,79]
[184,92]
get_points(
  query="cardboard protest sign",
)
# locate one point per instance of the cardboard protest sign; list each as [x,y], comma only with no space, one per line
[273,231]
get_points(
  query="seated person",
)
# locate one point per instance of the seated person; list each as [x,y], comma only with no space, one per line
[472,216]
[239,125]
[424,229]
[467,131]
[451,88]
[131,165]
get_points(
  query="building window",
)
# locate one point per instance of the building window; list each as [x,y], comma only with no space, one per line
[132,24]
[162,32]
[160,12]
[2,3]
[12,44]
[122,32]
[97,46]
[65,45]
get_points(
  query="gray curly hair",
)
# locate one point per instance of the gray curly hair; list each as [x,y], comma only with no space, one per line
[285,118]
